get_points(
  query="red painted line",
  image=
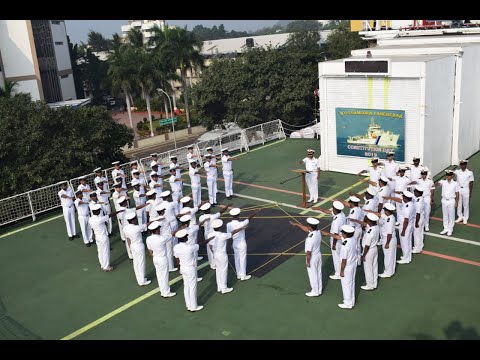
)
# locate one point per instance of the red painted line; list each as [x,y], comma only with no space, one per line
[452,258]
[471,225]
[263,187]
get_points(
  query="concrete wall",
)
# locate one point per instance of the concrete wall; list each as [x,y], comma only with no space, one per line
[68,87]
[62,55]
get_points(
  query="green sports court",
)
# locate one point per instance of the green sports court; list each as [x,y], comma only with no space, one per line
[52,288]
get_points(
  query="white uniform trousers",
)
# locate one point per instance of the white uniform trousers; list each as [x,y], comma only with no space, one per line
[358,236]
[391,185]
[312,184]
[315,273]
[463,203]
[399,212]
[69,216]
[120,228]
[85,228]
[211,258]
[161,269]
[427,210]
[177,195]
[107,210]
[221,264]
[240,254]
[138,252]
[142,216]
[173,227]
[228,177]
[196,195]
[390,256]
[448,212]
[337,262]
[171,263]
[370,267]
[348,285]
[189,275]
[406,242]
[212,190]
[103,248]
[418,235]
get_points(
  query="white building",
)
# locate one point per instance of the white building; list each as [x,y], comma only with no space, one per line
[144,25]
[34,53]
[238,45]
[434,80]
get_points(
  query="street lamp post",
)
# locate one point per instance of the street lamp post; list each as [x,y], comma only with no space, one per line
[171,112]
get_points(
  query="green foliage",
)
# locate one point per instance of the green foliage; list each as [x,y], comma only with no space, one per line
[204,33]
[97,42]
[261,85]
[303,25]
[41,146]
[342,41]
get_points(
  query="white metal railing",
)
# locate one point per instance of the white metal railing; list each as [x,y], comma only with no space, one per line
[46,198]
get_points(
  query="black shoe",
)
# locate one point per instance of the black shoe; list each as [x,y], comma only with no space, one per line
[70,238]
[88,245]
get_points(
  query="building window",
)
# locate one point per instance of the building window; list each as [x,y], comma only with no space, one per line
[64,76]
[55,22]
[58,42]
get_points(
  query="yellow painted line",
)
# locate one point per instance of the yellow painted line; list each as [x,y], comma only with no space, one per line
[385,92]
[370,92]
[333,197]
[272,254]
[270,217]
[30,226]
[122,308]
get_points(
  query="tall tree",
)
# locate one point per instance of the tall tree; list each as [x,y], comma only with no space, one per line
[98,42]
[342,41]
[74,140]
[182,49]
[122,69]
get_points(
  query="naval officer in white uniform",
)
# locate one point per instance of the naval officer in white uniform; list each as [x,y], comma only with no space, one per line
[348,267]
[464,178]
[450,195]
[66,199]
[312,168]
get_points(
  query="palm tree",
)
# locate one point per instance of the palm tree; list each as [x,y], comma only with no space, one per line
[8,89]
[122,68]
[181,49]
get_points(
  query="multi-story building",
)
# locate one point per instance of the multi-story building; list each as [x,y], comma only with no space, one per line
[144,25]
[35,55]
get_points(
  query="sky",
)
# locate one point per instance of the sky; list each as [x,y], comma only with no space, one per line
[78,29]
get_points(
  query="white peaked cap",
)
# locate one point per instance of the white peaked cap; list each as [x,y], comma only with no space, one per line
[312,221]
[135,182]
[235,211]
[161,206]
[207,155]
[96,207]
[371,191]
[181,233]
[353,199]
[150,192]
[419,188]
[338,205]
[153,163]
[153,173]
[153,225]
[185,218]
[165,193]
[205,206]
[173,157]
[217,223]
[98,180]
[192,161]
[372,217]
[131,215]
[348,229]
[384,179]
[209,148]
[97,169]
[224,149]
[389,206]
[135,171]
[185,199]
[407,193]
[115,162]
[121,199]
